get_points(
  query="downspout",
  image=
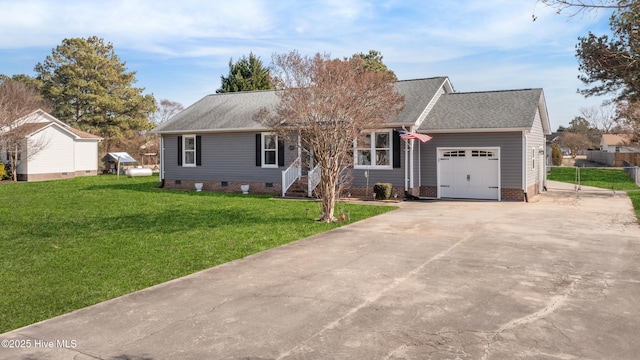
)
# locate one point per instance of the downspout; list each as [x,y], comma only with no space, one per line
[524,165]
[419,164]
[161,173]
[406,167]
[411,164]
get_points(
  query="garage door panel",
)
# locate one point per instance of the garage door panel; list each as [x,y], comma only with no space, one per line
[469,173]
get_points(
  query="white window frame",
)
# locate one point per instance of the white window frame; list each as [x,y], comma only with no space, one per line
[263,150]
[185,151]
[534,153]
[373,151]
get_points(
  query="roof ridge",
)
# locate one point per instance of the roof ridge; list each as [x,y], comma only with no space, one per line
[275,90]
[242,92]
[421,79]
[492,91]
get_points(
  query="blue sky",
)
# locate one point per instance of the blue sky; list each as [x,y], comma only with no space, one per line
[179,49]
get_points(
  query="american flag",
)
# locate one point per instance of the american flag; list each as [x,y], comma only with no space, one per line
[405,135]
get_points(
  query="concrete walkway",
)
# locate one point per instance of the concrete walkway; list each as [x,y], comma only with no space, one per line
[556,278]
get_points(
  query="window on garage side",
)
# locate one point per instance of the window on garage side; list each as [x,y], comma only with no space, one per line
[533,158]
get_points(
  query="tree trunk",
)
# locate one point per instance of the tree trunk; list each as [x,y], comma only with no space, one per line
[14,164]
[328,197]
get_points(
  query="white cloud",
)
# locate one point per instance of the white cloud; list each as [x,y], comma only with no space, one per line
[131,23]
[481,45]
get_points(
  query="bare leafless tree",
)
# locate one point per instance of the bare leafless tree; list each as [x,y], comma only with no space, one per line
[601,117]
[329,103]
[629,120]
[575,7]
[575,142]
[17,100]
[166,109]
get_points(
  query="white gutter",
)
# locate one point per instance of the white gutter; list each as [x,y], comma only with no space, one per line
[476,130]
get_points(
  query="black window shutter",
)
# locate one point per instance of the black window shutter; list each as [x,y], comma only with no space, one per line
[258,149]
[396,150]
[180,150]
[280,153]
[198,150]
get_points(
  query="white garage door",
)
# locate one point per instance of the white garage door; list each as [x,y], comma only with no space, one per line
[469,173]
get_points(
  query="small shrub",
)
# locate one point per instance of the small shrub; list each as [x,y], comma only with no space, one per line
[5,172]
[556,155]
[382,191]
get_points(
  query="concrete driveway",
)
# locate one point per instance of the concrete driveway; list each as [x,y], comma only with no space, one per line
[557,278]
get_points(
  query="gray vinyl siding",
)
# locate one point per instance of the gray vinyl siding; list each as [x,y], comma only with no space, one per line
[225,157]
[535,139]
[417,146]
[510,144]
[394,176]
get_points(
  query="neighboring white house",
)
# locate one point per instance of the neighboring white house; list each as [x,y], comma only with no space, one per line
[617,143]
[55,149]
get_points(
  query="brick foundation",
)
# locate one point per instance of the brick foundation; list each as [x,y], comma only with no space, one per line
[505,194]
[429,191]
[511,194]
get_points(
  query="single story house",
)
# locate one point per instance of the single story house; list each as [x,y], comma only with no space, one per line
[485,145]
[55,150]
[618,143]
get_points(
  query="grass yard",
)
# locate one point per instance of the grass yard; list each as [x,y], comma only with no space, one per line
[613,179]
[72,243]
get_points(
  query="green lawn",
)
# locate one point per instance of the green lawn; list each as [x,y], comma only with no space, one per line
[72,243]
[613,179]
[603,178]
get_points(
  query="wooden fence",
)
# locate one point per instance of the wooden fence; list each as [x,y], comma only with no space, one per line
[613,159]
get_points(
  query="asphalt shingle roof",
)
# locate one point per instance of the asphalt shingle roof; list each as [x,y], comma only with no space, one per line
[234,111]
[217,112]
[510,109]
[30,128]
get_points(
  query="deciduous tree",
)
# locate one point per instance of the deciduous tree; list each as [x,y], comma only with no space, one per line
[166,109]
[329,103]
[92,90]
[609,64]
[575,142]
[629,120]
[17,100]
[574,7]
[247,74]
[601,117]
